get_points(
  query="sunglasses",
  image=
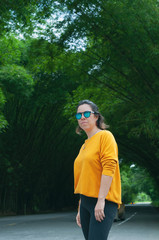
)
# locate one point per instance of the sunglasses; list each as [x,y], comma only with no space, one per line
[86,114]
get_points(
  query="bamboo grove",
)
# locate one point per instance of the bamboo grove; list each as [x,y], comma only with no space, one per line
[55,53]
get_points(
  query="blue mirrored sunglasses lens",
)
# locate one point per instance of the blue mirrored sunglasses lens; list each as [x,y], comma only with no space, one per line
[87,114]
[78,116]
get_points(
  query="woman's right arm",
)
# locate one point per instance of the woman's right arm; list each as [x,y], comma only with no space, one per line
[78,221]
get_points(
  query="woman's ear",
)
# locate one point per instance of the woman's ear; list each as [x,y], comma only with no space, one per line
[97,119]
[96,116]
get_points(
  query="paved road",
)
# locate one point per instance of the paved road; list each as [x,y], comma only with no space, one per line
[142,223]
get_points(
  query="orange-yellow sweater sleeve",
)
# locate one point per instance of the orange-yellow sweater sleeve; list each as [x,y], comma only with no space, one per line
[109,154]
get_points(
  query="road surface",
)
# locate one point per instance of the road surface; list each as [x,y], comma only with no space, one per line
[142,223]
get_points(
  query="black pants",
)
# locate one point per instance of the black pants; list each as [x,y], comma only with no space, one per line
[92,229]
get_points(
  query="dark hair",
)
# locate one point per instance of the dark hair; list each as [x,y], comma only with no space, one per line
[100,122]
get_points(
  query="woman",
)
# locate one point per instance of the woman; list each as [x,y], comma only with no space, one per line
[96,174]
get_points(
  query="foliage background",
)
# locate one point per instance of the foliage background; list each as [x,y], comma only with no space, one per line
[53,54]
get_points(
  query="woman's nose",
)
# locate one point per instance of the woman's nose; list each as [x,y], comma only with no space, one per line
[82,117]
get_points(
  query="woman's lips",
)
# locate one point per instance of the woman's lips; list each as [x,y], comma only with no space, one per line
[83,123]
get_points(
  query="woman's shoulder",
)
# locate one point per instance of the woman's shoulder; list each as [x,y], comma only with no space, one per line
[107,135]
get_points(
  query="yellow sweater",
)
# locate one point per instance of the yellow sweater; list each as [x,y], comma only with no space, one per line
[97,156]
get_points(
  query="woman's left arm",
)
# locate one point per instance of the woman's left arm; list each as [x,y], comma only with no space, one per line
[103,191]
[109,159]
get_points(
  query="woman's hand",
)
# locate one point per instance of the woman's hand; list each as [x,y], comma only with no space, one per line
[78,221]
[99,210]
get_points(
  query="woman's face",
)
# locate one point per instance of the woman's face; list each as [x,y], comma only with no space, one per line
[87,124]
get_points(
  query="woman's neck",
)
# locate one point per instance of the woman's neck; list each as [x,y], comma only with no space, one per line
[92,132]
